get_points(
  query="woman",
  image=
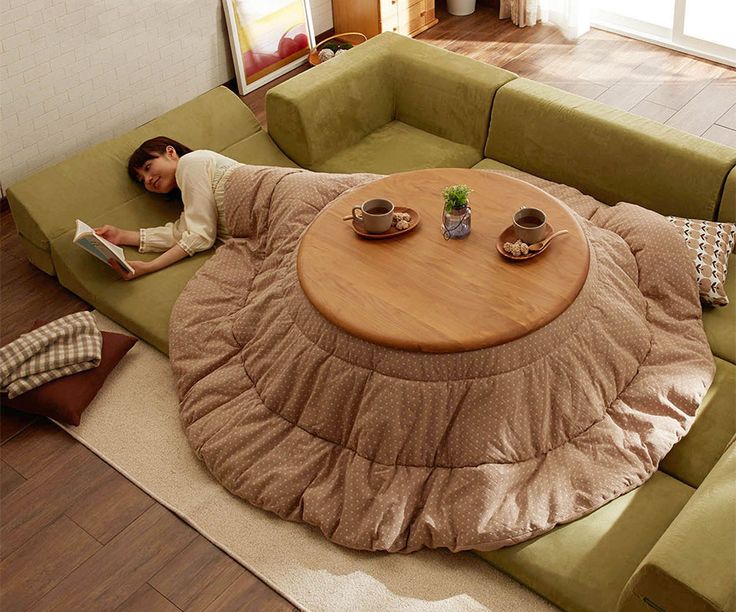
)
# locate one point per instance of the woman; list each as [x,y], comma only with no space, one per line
[164,165]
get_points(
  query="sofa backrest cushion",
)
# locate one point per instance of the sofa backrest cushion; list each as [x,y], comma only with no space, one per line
[727,209]
[45,205]
[318,113]
[444,93]
[607,153]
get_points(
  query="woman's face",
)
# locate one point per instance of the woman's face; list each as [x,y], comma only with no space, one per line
[158,174]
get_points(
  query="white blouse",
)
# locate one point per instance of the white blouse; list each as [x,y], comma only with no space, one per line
[201,177]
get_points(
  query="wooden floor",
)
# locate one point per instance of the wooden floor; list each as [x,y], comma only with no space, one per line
[76,535]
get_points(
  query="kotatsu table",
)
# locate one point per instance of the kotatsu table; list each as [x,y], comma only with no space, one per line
[420,292]
[438,395]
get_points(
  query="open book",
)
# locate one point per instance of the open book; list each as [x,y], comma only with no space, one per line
[103,249]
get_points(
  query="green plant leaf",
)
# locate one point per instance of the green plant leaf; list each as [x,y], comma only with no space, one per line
[456,196]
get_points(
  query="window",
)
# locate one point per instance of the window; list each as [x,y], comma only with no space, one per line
[702,27]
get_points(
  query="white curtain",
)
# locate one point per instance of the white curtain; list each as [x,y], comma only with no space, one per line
[571,16]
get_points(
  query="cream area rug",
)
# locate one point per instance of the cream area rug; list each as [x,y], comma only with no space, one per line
[133,424]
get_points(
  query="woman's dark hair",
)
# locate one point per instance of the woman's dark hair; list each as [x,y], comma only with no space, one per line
[154,147]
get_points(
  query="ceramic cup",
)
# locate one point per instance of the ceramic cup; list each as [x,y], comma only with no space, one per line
[530,224]
[376,215]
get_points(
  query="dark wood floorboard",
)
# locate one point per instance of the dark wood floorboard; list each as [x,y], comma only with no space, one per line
[110,507]
[75,534]
[147,599]
[126,563]
[37,449]
[40,500]
[44,561]
[12,423]
[9,479]
[247,594]
[197,576]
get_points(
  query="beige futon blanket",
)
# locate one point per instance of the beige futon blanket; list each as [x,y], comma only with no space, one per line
[383,449]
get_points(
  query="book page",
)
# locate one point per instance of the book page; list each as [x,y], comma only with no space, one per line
[98,246]
[83,228]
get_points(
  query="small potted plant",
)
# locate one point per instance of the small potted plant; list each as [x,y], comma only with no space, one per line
[456,213]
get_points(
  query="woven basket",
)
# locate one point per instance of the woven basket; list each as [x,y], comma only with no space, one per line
[354,38]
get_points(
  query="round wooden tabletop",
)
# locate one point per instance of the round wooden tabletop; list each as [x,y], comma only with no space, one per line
[420,292]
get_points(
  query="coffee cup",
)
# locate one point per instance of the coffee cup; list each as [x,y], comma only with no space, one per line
[376,215]
[530,224]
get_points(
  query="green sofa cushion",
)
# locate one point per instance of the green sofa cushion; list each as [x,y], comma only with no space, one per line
[332,106]
[693,457]
[142,306]
[727,209]
[41,258]
[258,149]
[720,322]
[585,564]
[491,164]
[693,565]
[45,205]
[398,147]
[444,93]
[607,153]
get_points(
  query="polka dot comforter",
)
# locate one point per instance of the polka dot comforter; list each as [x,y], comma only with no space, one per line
[382,449]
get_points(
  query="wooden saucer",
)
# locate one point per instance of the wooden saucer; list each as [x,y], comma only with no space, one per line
[509,235]
[358,225]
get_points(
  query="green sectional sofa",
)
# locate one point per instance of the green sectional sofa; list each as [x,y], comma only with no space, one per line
[395,104]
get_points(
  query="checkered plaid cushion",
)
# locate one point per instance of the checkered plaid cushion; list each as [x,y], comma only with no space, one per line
[710,244]
[66,346]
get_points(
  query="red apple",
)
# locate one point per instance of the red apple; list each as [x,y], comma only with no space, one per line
[287,47]
[266,59]
[258,61]
[301,40]
[249,62]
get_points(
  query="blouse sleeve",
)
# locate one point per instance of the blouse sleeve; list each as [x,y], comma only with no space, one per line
[199,219]
[159,239]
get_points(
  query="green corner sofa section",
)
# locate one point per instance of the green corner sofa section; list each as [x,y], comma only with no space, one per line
[395,104]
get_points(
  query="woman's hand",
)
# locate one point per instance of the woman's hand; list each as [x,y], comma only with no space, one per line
[171,256]
[141,268]
[119,236]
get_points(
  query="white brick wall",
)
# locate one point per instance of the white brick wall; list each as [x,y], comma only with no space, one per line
[75,72]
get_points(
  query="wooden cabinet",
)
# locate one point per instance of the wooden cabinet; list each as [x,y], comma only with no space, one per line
[371,17]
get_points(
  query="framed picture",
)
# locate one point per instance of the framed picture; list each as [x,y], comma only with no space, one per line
[267,38]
